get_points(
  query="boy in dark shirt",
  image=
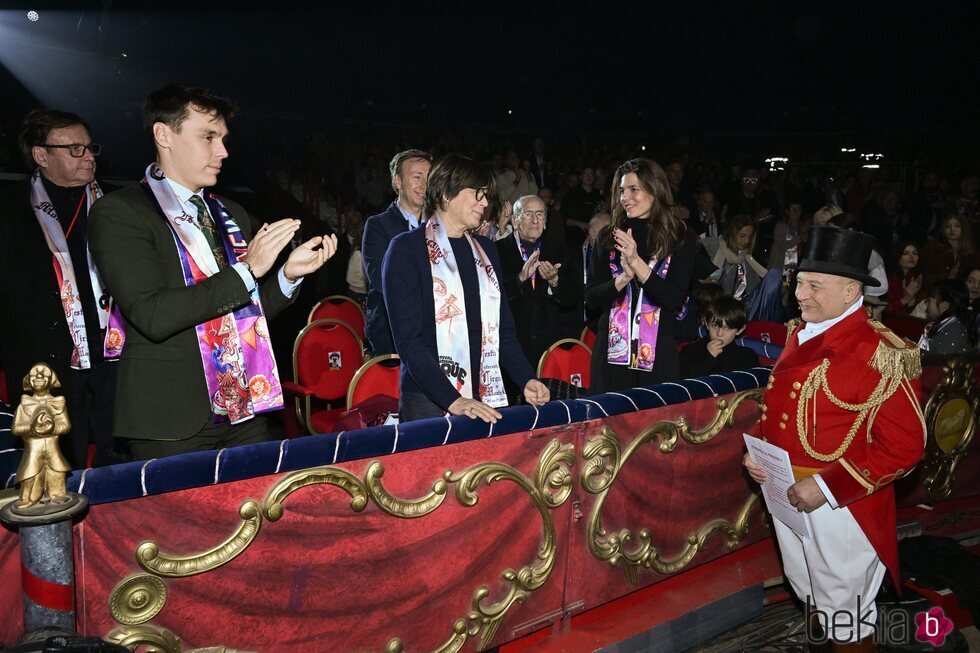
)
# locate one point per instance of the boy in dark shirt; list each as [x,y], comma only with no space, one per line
[725,318]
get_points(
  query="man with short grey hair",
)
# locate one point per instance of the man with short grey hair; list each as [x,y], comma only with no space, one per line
[533,279]
[409,171]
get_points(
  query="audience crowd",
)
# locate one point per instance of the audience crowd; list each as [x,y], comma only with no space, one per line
[598,238]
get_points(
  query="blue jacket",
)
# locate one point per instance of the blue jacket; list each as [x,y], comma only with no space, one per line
[379,231]
[407,277]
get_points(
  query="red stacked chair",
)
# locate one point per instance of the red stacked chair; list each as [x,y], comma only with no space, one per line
[774,332]
[326,356]
[567,360]
[588,337]
[378,376]
[338,307]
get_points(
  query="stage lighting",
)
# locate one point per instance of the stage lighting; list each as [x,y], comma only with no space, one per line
[33,16]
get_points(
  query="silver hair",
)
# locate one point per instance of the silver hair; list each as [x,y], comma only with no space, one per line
[521,201]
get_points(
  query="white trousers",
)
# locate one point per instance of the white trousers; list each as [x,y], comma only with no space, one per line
[835,571]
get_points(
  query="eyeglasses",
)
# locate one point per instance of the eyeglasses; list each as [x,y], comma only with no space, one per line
[749,180]
[534,216]
[77,150]
[481,194]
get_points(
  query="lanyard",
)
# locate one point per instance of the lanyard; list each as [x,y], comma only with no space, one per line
[78,209]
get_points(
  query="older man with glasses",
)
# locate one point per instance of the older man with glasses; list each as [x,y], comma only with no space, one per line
[57,309]
[536,285]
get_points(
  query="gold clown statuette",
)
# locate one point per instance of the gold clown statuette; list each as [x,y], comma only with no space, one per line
[40,420]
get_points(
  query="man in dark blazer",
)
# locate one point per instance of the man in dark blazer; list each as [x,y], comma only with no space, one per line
[534,279]
[409,170]
[33,326]
[164,404]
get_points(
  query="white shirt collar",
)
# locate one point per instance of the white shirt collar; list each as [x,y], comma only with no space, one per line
[185,194]
[413,221]
[814,329]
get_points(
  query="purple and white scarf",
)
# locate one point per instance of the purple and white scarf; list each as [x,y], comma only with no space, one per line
[633,335]
[236,353]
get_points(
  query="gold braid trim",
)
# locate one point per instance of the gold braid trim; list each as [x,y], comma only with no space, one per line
[901,358]
[816,382]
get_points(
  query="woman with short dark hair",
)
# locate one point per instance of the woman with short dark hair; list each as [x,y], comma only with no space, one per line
[452,326]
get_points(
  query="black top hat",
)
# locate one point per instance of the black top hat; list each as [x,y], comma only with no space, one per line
[840,252]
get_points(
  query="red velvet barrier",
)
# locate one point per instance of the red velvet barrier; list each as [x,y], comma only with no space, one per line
[327,577]
[324,578]
[672,495]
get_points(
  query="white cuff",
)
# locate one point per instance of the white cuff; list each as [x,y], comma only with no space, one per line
[287,288]
[245,274]
[826,491]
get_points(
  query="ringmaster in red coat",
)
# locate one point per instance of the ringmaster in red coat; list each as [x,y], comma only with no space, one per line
[843,399]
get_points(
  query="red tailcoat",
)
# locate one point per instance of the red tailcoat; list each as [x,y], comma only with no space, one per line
[860,478]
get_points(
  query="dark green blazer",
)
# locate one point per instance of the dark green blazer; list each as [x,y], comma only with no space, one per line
[161,392]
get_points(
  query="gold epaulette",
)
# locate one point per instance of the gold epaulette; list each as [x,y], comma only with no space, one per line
[896,356]
[791,327]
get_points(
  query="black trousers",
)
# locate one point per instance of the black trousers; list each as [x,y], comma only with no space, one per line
[210,438]
[90,410]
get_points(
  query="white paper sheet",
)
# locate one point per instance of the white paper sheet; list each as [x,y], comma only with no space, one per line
[779,476]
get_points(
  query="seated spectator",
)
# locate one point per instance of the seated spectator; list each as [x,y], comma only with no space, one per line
[704,221]
[515,182]
[967,204]
[887,221]
[925,208]
[739,273]
[357,285]
[750,198]
[725,318]
[496,221]
[534,281]
[823,215]
[947,333]
[787,236]
[578,207]
[952,253]
[905,281]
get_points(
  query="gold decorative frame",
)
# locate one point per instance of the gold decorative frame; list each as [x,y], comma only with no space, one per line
[949,435]
[603,463]
[549,488]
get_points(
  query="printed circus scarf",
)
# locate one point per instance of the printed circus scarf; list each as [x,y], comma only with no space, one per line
[452,337]
[633,338]
[109,317]
[236,352]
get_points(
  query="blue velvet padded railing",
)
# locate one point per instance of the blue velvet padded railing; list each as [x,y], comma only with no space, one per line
[135,479]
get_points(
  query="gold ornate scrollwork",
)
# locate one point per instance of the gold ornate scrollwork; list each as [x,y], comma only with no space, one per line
[725,417]
[951,420]
[272,504]
[149,557]
[395,507]
[137,599]
[604,462]
[155,640]
[549,488]
[461,632]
